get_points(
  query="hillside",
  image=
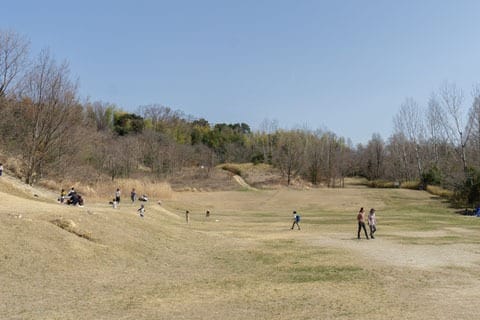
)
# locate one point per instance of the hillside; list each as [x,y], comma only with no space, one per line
[221,178]
[243,262]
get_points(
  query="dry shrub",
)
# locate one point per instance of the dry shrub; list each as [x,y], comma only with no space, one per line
[105,190]
[414,185]
[14,167]
[439,191]
[382,184]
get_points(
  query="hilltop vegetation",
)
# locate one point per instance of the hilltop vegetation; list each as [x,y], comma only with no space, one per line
[49,134]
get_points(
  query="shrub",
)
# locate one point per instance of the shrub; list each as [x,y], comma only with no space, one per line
[468,193]
[439,191]
[413,185]
[432,177]
[381,184]
[258,158]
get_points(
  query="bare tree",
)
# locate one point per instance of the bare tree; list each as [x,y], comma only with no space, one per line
[51,114]
[267,130]
[289,153]
[435,129]
[13,58]
[375,157]
[398,166]
[475,121]
[408,122]
[101,114]
[315,153]
[458,132]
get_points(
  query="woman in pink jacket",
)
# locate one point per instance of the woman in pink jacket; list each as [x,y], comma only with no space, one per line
[361,223]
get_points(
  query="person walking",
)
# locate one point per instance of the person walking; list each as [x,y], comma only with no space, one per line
[187,216]
[133,195]
[296,220]
[372,222]
[361,223]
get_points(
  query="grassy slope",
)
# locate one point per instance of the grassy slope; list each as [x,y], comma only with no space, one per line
[243,262]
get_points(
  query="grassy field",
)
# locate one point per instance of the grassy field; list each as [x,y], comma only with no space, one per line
[243,262]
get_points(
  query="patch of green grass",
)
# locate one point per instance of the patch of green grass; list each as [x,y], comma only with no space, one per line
[322,273]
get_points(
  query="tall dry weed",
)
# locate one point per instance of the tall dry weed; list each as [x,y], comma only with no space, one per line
[439,191]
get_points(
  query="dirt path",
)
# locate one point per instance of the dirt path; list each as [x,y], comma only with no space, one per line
[395,254]
[243,183]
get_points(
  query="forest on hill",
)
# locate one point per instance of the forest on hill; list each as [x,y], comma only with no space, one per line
[48,132]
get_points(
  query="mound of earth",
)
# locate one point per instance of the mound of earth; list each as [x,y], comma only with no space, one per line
[225,177]
[203,179]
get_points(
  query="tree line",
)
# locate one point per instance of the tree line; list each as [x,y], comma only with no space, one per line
[53,134]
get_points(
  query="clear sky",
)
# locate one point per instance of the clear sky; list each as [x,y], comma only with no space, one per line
[341,65]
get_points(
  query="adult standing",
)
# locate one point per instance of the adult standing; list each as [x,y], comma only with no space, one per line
[372,222]
[1,169]
[187,216]
[361,223]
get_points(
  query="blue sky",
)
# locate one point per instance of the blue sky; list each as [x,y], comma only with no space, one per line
[344,65]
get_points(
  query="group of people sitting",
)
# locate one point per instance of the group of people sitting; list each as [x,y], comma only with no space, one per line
[71,198]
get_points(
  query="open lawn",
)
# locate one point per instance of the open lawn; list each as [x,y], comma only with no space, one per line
[243,262]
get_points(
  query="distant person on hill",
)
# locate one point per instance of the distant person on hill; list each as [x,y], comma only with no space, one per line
[207,214]
[361,223]
[187,216]
[372,222]
[141,211]
[133,195]
[117,195]
[296,220]
[1,169]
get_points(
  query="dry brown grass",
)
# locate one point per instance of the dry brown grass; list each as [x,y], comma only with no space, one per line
[243,262]
[439,191]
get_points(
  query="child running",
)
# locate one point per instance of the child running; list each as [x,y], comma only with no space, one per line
[141,211]
[296,220]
